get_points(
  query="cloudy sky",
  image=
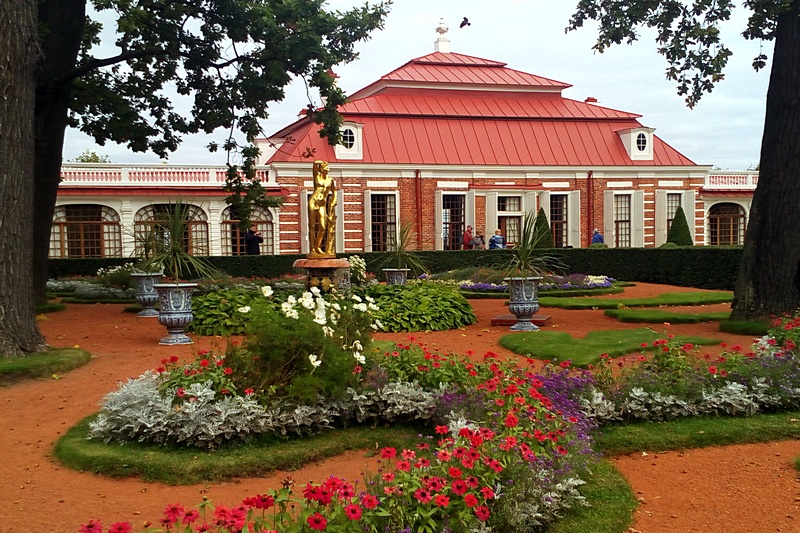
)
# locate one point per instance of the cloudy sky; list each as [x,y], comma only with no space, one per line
[723,130]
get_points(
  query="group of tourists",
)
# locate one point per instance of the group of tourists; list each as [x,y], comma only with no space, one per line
[477,241]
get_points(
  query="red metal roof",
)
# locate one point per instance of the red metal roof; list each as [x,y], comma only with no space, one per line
[483,104]
[454,141]
[453,109]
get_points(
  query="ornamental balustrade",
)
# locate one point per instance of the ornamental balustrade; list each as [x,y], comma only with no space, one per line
[732,180]
[110,174]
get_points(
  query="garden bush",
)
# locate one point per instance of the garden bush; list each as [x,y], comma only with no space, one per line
[421,306]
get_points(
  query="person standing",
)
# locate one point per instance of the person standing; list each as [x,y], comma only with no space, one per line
[478,242]
[252,241]
[497,241]
[597,237]
[466,239]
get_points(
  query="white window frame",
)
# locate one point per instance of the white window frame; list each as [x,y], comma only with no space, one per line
[688,205]
[637,218]
[368,216]
[356,151]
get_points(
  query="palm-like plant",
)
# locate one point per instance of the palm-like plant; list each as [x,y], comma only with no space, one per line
[526,257]
[400,256]
[168,248]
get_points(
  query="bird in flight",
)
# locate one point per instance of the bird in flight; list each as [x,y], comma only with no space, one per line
[465,22]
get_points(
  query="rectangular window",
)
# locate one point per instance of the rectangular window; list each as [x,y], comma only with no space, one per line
[509,203]
[383,223]
[622,220]
[673,203]
[558,219]
[510,228]
[453,220]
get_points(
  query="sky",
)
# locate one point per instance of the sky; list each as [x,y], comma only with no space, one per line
[724,130]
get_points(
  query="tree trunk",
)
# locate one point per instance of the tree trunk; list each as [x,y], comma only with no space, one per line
[60,46]
[18,331]
[769,274]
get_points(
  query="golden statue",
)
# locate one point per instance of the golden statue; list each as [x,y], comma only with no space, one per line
[322,213]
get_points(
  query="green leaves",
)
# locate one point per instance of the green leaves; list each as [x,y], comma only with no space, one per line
[421,307]
[230,57]
[688,34]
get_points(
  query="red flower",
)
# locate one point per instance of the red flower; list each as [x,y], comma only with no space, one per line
[173,512]
[228,371]
[511,421]
[264,501]
[441,430]
[487,493]
[442,500]
[94,526]
[470,500]
[455,472]
[120,527]
[405,466]
[357,369]
[408,454]
[249,390]
[388,453]
[482,512]
[190,517]
[459,487]
[181,392]
[205,362]
[369,501]
[352,511]
[712,369]
[388,477]
[317,521]
[422,495]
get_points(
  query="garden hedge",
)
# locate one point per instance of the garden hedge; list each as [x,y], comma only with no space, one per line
[705,267]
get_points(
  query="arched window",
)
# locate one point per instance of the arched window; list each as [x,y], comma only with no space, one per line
[726,224]
[149,229]
[85,230]
[233,237]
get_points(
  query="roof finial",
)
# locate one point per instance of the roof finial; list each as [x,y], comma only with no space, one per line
[442,43]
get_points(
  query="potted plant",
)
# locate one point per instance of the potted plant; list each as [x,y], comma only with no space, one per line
[524,271]
[400,260]
[170,255]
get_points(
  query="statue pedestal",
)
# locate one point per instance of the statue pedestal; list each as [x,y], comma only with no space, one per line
[325,273]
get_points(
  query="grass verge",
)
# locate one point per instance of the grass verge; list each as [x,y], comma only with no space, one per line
[667,299]
[657,316]
[50,307]
[49,363]
[582,352]
[698,432]
[179,466]
[611,504]
[745,327]
[73,300]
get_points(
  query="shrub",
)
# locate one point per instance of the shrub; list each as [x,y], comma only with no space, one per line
[542,231]
[421,306]
[679,230]
[118,277]
[303,348]
[216,313]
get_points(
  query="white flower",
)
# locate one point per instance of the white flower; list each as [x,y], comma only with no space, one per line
[327,331]
[245,309]
[357,346]
[266,290]
[291,300]
[307,303]
[372,307]
[360,358]
[356,297]
[319,316]
[377,326]
[337,306]
[315,361]
[360,307]
[315,291]
[369,299]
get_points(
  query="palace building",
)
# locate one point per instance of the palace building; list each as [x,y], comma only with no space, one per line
[444,141]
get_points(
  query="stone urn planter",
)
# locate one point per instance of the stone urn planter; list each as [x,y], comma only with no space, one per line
[176,311]
[524,301]
[146,295]
[396,276]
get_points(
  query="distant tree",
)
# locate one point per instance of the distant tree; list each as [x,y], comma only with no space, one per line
[544,235]
[90,156]
[679,230]
[688,36]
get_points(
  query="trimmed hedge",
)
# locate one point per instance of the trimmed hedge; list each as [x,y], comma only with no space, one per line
[704,267]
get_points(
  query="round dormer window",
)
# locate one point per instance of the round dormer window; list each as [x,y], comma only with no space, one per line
[348,138]
[641,142]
